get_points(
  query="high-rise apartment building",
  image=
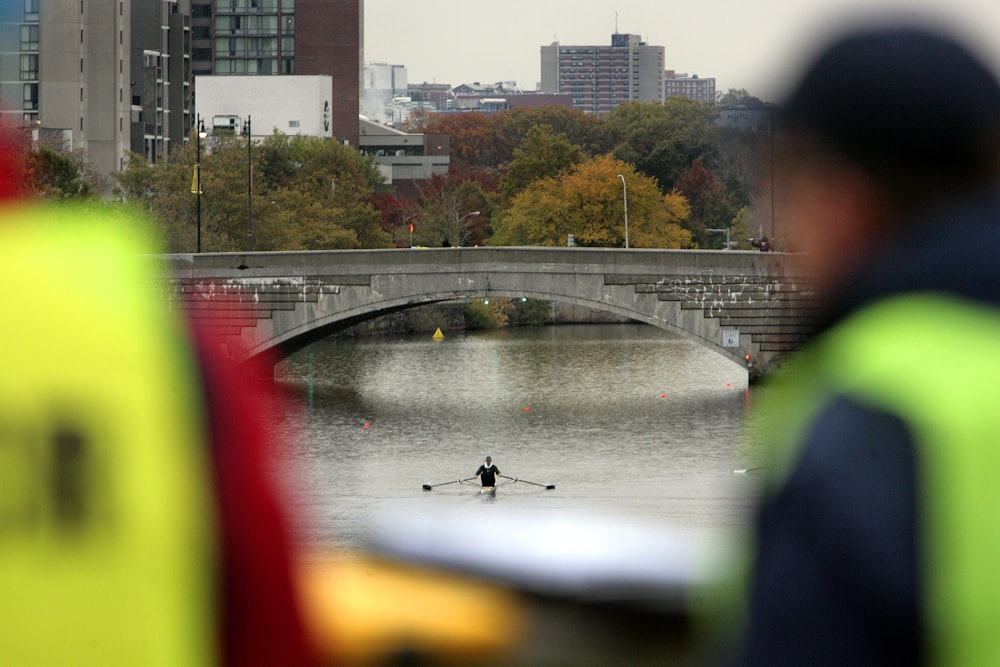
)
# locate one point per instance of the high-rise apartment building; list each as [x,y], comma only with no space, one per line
[599,78]
[161,81]
[111,75]
[286,37]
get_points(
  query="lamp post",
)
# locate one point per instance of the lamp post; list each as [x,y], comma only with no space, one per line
[406,220]
[467,215]
[200,134]
[625,195]
[722,231]
[247,132]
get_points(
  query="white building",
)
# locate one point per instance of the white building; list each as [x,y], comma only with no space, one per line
[290,104]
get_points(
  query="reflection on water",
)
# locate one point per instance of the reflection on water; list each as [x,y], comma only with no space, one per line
[622,419]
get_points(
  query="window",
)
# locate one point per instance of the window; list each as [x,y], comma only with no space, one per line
[29,67]
[30,10]
[29,37]
[30,92]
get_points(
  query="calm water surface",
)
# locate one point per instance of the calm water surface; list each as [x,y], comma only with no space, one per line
[626,420]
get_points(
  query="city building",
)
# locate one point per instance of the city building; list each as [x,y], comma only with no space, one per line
[160,82]
[599,78]
[383,83]
[500,101]
[758,119]
[438,96]
[286,37]
[108,76]
[691,87]
[225,103]
[405,159]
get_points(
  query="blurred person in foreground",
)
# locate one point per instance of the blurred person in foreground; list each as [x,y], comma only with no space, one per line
[876,540]
[141,521]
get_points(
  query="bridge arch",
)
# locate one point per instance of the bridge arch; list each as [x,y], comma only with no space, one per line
[736,303]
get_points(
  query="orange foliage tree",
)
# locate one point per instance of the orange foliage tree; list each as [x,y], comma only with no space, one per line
[587,201]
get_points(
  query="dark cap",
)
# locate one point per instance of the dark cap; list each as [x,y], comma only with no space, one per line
[902,98]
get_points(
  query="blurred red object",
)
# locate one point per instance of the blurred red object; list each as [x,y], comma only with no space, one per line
[263,620]
[12,171]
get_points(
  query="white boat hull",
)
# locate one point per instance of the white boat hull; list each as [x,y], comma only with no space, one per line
[488,491]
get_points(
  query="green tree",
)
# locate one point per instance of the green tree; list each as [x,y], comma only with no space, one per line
[540,154]
[584,130]
[55,174]
[587,200]
[447,207]
[308,193]
[662,140]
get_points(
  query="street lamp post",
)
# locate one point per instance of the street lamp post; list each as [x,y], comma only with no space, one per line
[625,195]
[247,132]
[199,135]
[467,215]
[722,231]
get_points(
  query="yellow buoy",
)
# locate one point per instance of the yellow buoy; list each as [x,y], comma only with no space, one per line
[438,335]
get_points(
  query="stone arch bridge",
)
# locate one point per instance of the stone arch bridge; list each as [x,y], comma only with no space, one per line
[736,303]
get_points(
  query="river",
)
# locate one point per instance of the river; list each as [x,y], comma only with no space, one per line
[625,421]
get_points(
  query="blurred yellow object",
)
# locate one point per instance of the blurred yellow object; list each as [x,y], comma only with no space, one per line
[371,611]
[106,517]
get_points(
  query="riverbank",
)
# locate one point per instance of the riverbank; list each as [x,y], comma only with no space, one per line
[478,314]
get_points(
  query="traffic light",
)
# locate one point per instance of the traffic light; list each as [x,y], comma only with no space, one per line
[749,363]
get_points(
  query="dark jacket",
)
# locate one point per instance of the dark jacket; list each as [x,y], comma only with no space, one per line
[836,577]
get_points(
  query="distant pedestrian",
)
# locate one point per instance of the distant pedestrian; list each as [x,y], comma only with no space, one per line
[446,243]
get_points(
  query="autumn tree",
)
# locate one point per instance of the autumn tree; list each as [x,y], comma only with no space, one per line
[587,200]
[475,143]
[711,205]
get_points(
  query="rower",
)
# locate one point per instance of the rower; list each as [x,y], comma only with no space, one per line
[487,473]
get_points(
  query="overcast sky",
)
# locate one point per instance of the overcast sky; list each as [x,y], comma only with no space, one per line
[751,44]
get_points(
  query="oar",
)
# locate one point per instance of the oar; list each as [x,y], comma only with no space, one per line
[548,487]
[744,471]
[428,487]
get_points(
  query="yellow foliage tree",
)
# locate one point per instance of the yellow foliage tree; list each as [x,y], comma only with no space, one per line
[587,200]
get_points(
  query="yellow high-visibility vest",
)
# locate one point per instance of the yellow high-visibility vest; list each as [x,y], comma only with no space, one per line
[107,555]
[932,360]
